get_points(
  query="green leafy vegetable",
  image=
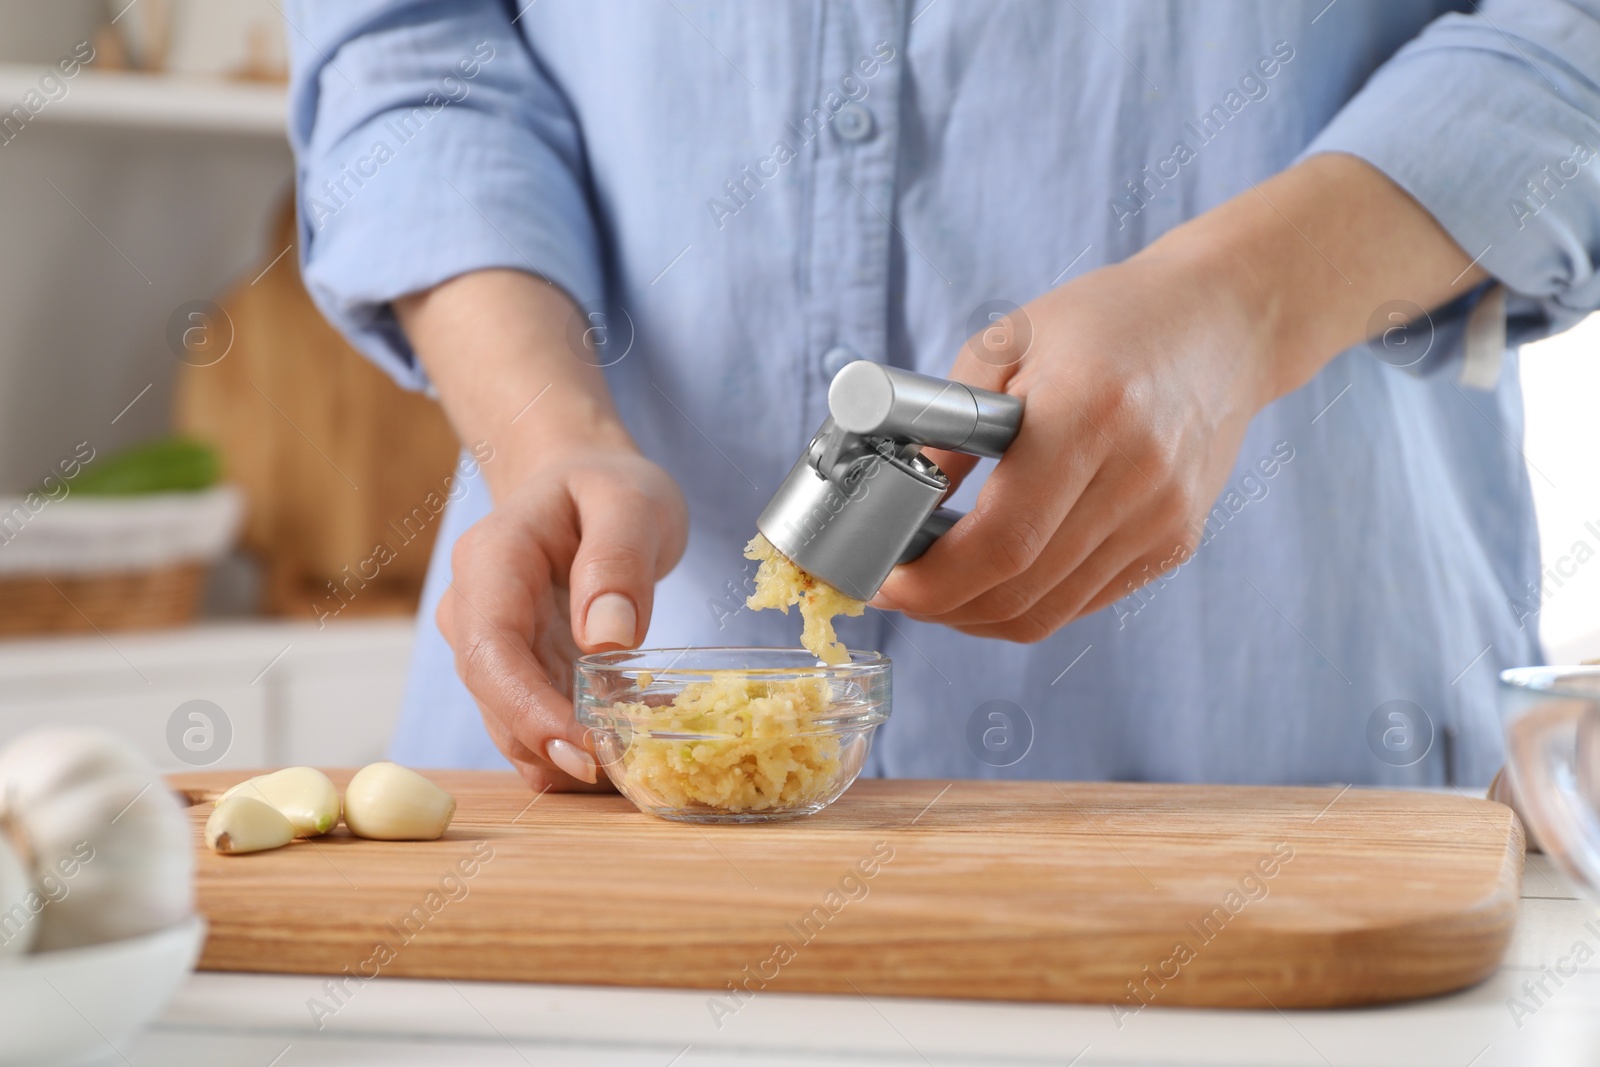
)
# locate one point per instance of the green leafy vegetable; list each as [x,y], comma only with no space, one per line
[165,465]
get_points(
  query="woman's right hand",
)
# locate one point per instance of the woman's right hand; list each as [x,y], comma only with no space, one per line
[565,564]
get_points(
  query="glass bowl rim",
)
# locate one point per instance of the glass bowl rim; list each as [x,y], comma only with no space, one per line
[1548,680]
[851,719]
[871,669]
[839,725]
[861,663]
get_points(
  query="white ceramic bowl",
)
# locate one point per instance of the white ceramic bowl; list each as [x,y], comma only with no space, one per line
[64,1007]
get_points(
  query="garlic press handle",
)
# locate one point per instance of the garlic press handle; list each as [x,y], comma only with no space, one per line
[933,527]
[873,400]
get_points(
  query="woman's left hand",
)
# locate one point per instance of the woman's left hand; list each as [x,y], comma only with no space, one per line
[1139,380]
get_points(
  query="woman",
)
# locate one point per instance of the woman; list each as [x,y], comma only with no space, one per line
[1255,528]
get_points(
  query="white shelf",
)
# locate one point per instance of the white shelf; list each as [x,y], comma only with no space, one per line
[151,101]
[291,693]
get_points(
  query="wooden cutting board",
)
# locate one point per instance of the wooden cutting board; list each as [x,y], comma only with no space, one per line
[1109,893]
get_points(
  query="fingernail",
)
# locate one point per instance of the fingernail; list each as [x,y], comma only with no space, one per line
[611,620]
[572,759]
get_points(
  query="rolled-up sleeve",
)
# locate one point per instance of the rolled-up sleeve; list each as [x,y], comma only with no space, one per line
[1492,122]
[429,143]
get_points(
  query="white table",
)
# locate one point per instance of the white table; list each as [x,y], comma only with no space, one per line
[260,1020]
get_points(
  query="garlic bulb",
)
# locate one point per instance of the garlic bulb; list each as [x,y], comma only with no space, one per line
[304,796]
[241,823]
[19,904]
[93,819]
[388,802]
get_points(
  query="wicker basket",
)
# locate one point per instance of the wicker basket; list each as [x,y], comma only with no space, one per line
[124,600]
[124,563]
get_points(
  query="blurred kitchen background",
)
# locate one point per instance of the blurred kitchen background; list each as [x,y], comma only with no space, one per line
[149,288]
[214,594]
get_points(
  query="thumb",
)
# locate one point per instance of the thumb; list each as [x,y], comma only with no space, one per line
[991,357]
[613,576]
[988,360]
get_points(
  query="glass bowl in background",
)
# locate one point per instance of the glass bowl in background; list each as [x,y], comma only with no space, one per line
[731,735]
[1552,723]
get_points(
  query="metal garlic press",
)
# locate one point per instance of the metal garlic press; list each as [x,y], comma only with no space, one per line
[862,497]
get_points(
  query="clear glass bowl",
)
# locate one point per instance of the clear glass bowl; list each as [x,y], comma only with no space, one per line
[1552,724]
[731,735]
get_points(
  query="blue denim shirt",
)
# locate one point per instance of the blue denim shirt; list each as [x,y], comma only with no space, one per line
[744,196]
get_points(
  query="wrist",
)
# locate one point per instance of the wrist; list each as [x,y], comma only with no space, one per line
[1310,254]
[500,350]
[1209,276]
[530,447]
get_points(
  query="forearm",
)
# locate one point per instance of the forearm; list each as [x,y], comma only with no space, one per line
[583,525]
[495,344]
[1307,257]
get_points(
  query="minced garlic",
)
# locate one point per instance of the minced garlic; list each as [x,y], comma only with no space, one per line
[761,748]
[779,583]
[763,751]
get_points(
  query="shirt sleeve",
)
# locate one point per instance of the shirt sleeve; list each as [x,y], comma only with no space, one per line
[428,143]
[1492,122]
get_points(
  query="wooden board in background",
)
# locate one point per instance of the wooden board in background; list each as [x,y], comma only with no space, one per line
[334,459]
[1032,891]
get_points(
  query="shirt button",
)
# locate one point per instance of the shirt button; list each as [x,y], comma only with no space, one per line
[834,360]
[853,123]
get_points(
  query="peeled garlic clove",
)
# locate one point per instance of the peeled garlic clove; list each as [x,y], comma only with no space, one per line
[245,824]
[303,795]
[388,802]
[19,904]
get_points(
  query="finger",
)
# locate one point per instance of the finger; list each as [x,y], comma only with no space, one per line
[540,774]
[1128,550]
[1022,505]
[1128,559]
[989,360]
[991,357]
[444,617]
[542,779]
[1143,571]
[614,573]
[1105,506]
[502,600]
